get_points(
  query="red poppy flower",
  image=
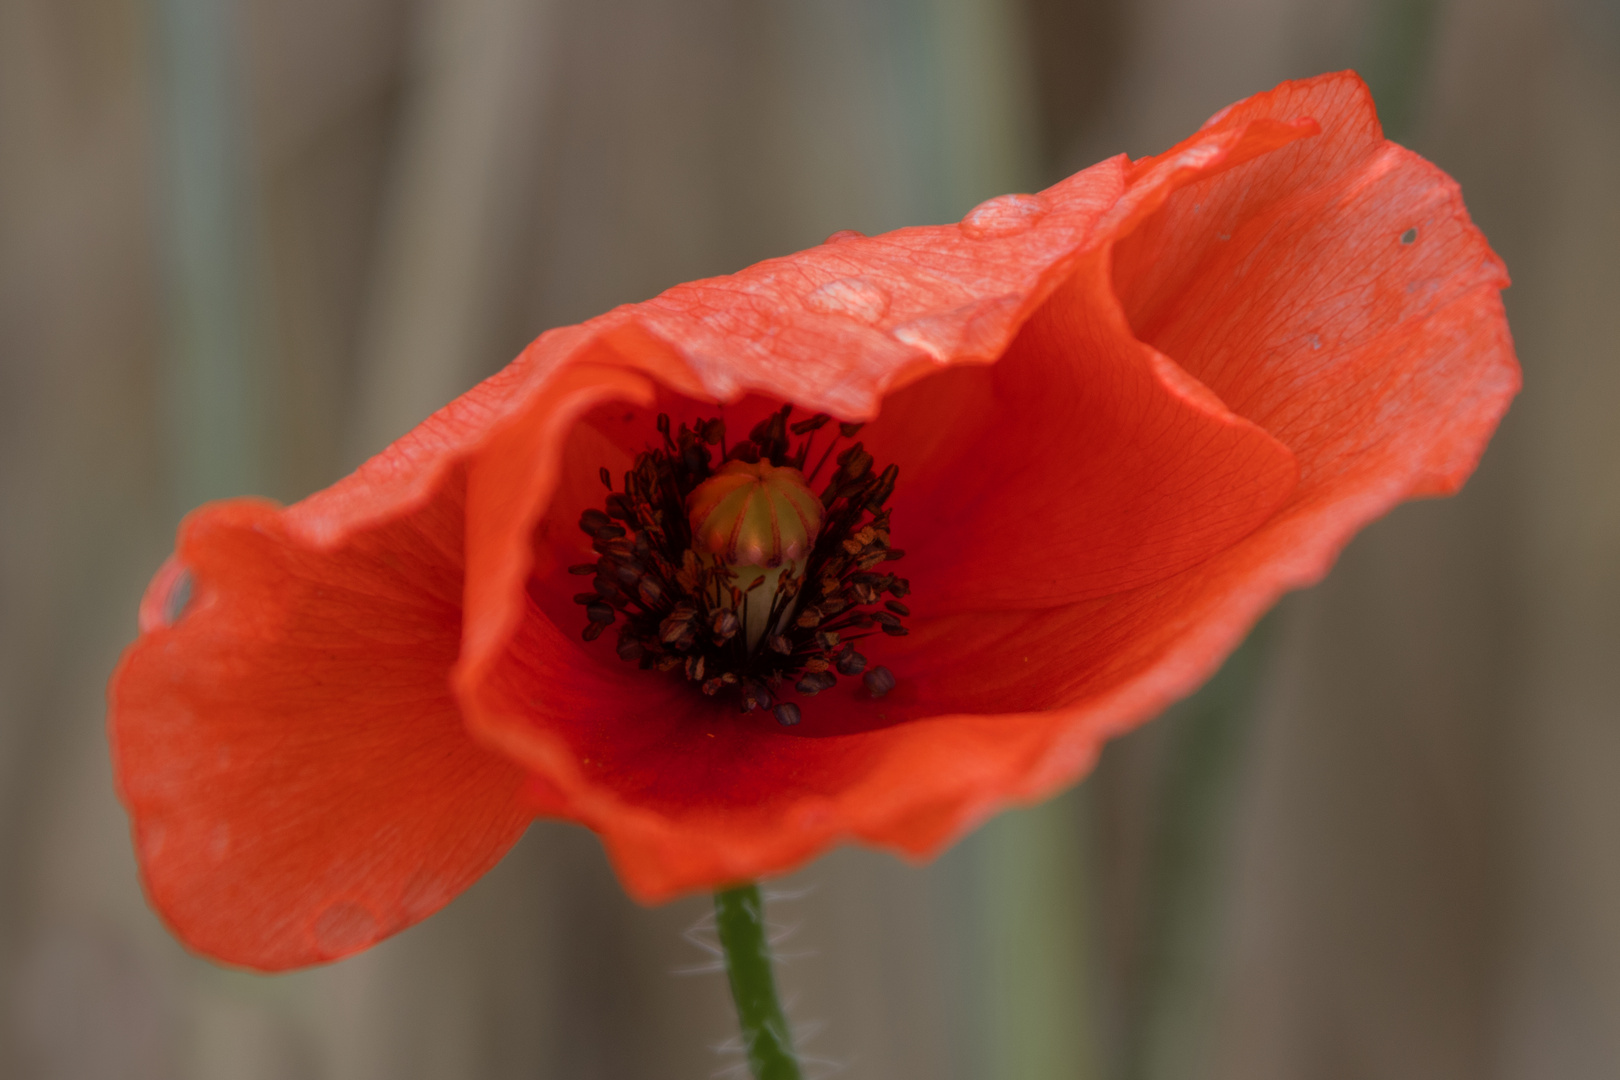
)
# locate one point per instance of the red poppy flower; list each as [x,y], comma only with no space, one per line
[1127,413]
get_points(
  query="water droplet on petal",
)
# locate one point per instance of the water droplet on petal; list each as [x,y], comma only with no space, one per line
[936,335]
[853,297]
[844,234]
[979,329]
[1003,216]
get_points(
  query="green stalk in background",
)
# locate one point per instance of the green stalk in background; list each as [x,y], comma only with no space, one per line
[739,915]
[216,374]
[1040,1014]
[1188,857]
[1396,60]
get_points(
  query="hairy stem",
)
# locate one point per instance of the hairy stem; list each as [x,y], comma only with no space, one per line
[739,914]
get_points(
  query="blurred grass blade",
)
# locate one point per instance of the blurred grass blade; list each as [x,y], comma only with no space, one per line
[216,418]
[1401,35]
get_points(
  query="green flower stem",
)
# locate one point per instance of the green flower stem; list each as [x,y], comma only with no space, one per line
[739,915]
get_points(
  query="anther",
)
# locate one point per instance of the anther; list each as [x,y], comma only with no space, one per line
[879,681]
[787,714]
[652,594]
[754,695]
[815,682]
[850,662]
[676,623]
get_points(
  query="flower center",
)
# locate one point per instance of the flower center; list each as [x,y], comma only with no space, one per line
[737,577]
[760,521]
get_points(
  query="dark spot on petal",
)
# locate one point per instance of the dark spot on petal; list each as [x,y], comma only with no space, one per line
[1409,236]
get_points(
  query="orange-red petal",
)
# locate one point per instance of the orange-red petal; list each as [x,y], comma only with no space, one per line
[1129,412]
[284,736]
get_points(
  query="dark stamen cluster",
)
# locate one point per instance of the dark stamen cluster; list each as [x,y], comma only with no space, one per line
[681,613]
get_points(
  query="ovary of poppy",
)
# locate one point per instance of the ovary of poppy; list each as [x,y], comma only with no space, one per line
[1128,412]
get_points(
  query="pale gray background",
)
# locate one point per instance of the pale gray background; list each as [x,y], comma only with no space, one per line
[244,243]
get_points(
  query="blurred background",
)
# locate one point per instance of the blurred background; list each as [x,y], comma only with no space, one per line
[245,243]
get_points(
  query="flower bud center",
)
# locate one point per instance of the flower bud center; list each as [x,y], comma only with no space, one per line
[735,576]
[760,521]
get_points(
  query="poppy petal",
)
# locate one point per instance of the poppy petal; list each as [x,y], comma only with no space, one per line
[1129,412]
[1318,291]
[284,736]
